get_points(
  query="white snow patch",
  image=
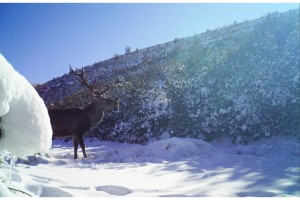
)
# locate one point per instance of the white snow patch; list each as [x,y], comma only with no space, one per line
[4,191]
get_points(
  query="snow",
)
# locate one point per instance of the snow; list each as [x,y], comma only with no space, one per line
[178,148]
[168,167]
[24,116]
[4,191]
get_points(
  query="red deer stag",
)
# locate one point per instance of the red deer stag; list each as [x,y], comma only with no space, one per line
[75,121]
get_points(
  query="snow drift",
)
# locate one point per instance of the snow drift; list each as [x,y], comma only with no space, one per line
[24,116]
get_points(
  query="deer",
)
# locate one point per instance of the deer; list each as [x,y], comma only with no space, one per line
[76,121]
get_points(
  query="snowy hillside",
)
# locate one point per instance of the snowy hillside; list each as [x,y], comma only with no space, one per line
[170,167]
[241,81]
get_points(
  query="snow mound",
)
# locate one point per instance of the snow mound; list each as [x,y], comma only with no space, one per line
[24,117]
[174,149]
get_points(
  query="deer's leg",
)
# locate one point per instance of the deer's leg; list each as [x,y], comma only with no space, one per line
[81,142]
[75,142]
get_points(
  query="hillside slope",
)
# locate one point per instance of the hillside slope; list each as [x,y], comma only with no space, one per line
[240,81]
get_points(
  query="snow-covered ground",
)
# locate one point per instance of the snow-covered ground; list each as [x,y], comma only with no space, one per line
[169,167]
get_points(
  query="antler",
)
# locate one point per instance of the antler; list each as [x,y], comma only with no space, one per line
[83,81]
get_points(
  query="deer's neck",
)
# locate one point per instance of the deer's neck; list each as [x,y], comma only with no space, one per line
[95,113]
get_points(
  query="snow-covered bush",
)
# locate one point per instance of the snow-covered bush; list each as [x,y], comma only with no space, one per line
[25,123]
[244,87]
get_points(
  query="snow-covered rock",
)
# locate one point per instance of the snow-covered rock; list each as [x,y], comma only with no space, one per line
[25,122]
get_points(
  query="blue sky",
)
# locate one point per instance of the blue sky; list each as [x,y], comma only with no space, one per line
[41,40]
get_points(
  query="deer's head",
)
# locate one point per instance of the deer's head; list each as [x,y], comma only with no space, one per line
[100,102]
